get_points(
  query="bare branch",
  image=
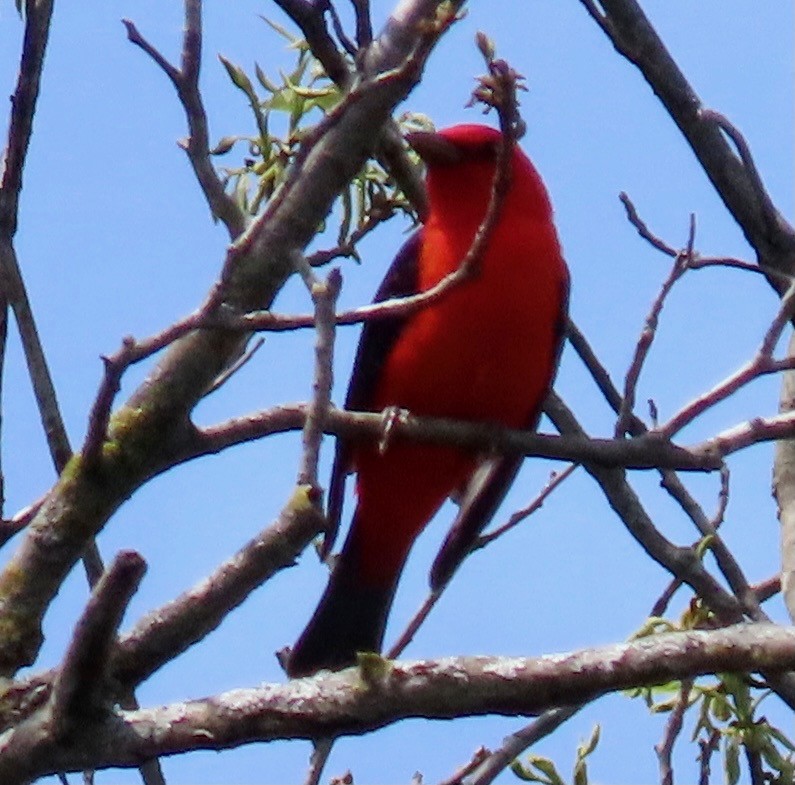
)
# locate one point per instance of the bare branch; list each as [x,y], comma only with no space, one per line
[407,636]
[309,18]
[459,776]
[680,562]
[325,297]
[363,699]
[197,145]
[168,631]
[515,744]
[23,108]
[737,183]
[673,728]
[643,229]
[364,28]
[650,327]
[643,452]
[761,365]
[80,688]
[555,481]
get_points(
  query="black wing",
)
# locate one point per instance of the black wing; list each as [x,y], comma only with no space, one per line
[378,337]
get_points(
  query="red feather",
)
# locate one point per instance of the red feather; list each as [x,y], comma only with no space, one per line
[487,351]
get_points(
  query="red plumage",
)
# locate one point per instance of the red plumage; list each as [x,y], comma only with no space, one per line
[487,351]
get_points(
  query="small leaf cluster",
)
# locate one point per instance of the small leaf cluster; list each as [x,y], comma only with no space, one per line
[536,768]
[292,99]
[725,710]
[728,714]
[285,111]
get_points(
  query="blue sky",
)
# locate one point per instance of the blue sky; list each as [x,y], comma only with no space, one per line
[115,239]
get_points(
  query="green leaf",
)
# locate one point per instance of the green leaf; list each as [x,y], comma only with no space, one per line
[547,768]
[293,40]
[524,774]
[781,738]
[225,144]
[262,78]
[731,762]
[238,76]
[584,750]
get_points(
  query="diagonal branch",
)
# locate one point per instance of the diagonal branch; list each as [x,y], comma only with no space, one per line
[680,562]
[80,690]
[733,175]
[166,632]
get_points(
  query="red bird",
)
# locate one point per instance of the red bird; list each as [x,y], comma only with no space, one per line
[487,351]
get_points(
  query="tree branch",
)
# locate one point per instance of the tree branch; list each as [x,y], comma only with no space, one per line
[80,689]
[186,81]
[325,297]
[642,452]
[737,183]
[380,693]
[166,632]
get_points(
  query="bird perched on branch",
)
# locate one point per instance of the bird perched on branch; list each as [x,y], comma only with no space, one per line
[485,351]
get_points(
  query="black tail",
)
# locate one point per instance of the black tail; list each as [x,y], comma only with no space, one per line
[350,618]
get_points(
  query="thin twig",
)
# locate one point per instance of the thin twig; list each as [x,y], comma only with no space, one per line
[325,297]
[643,229]
[364,27]
[515,744]
[673,727]
[347,248]
[761,364]
[458,776]
[407,636]
[555,481]
[339,30]
[244,359]
[197,146]
[309,18]
[707,748]
[649,331]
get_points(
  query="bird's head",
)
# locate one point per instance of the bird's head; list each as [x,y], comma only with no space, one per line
[461,162]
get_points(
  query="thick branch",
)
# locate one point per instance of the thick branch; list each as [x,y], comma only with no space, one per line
[80,688]
[380,693]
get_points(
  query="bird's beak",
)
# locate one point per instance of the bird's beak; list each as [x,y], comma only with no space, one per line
[433,148]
